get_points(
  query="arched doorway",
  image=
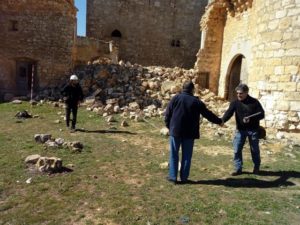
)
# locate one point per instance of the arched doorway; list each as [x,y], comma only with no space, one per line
[237,73]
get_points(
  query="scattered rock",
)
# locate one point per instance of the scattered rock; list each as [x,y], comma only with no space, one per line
[42,138]
[164,131]
[16,101]
[23,115]
[52,164]
[32,159]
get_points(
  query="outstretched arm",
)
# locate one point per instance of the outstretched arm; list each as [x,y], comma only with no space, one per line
[209,115]
[229,112]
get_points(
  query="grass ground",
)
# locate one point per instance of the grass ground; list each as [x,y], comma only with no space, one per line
[117,178]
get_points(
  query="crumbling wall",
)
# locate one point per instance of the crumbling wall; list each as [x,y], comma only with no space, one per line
[152,32]
[39,31]
[87,49]
[266,34]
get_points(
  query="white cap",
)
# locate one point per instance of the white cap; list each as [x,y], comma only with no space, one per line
[73,77]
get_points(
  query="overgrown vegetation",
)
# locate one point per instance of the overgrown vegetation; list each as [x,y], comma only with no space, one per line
[117,178]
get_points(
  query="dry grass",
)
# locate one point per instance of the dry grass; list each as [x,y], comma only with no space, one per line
[117,178]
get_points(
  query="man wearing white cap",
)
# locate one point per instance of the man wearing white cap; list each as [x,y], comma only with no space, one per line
[72,93]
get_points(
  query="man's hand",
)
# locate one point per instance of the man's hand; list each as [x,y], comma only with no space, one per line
[246,119]
[221,124]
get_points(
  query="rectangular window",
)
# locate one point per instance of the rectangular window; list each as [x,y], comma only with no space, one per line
[14,25]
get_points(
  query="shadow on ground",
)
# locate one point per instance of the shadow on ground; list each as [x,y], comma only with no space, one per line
[282,180]
[106,131]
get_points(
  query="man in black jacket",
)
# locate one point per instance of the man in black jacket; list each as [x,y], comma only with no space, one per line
[72,93]
[248,112]
[182,119]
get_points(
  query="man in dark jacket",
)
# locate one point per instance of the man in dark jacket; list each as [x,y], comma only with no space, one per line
[182,119]
[248,111]
[72,93]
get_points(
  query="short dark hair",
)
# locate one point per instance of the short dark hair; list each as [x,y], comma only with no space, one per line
[242,87]
[188,86]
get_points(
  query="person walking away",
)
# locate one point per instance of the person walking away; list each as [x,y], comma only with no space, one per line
[73,95]
[182,119]
[248,112]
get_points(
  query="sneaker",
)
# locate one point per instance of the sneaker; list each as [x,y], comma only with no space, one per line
[256,170]
[171,180]
[236,173]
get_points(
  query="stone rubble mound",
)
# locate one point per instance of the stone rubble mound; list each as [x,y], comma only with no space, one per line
[44,164]
[138,91]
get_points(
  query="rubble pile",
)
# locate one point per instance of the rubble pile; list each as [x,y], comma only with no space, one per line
[138,91]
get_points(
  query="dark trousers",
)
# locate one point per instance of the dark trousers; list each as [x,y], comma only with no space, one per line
[73,109]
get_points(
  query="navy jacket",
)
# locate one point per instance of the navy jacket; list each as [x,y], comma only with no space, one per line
[183,114]
[243,109]
[73,94]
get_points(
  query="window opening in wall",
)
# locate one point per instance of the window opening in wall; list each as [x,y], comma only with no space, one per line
[175,43]
[14,25]
[204,80]
[116,33]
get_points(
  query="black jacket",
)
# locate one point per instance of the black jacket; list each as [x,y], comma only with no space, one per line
[243,109]
[73,94]
[183,114]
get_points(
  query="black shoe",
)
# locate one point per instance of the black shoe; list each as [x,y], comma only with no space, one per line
[171,180]
[186,182]
[236,173]
[256,170]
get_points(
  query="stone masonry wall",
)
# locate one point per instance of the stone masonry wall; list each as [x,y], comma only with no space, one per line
[148,28]
[266,33]
[87,49]
[39,31]
[209,55]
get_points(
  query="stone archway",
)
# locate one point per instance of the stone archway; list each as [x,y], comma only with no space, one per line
[237,73]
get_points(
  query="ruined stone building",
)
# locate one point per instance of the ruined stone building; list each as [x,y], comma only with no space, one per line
[149,32]
[256,42]
[35,35]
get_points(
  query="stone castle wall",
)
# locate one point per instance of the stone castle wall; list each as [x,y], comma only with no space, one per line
[153,32]
[266,34]
[39,32]
[88,49]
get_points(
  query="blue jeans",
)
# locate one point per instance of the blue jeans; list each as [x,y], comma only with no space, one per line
[238,144]
[187,152]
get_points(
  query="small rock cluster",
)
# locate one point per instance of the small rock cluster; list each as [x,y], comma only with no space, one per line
[49,142]
[44,164]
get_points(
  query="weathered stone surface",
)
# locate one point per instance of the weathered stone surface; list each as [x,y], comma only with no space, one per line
[28,29]
[164,131]
[51,164]
[166,49]
[32,159]
[42,138]
[259,38]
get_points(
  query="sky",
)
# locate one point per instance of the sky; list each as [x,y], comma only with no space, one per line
[81,17]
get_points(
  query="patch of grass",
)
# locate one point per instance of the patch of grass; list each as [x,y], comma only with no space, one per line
[117,179]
